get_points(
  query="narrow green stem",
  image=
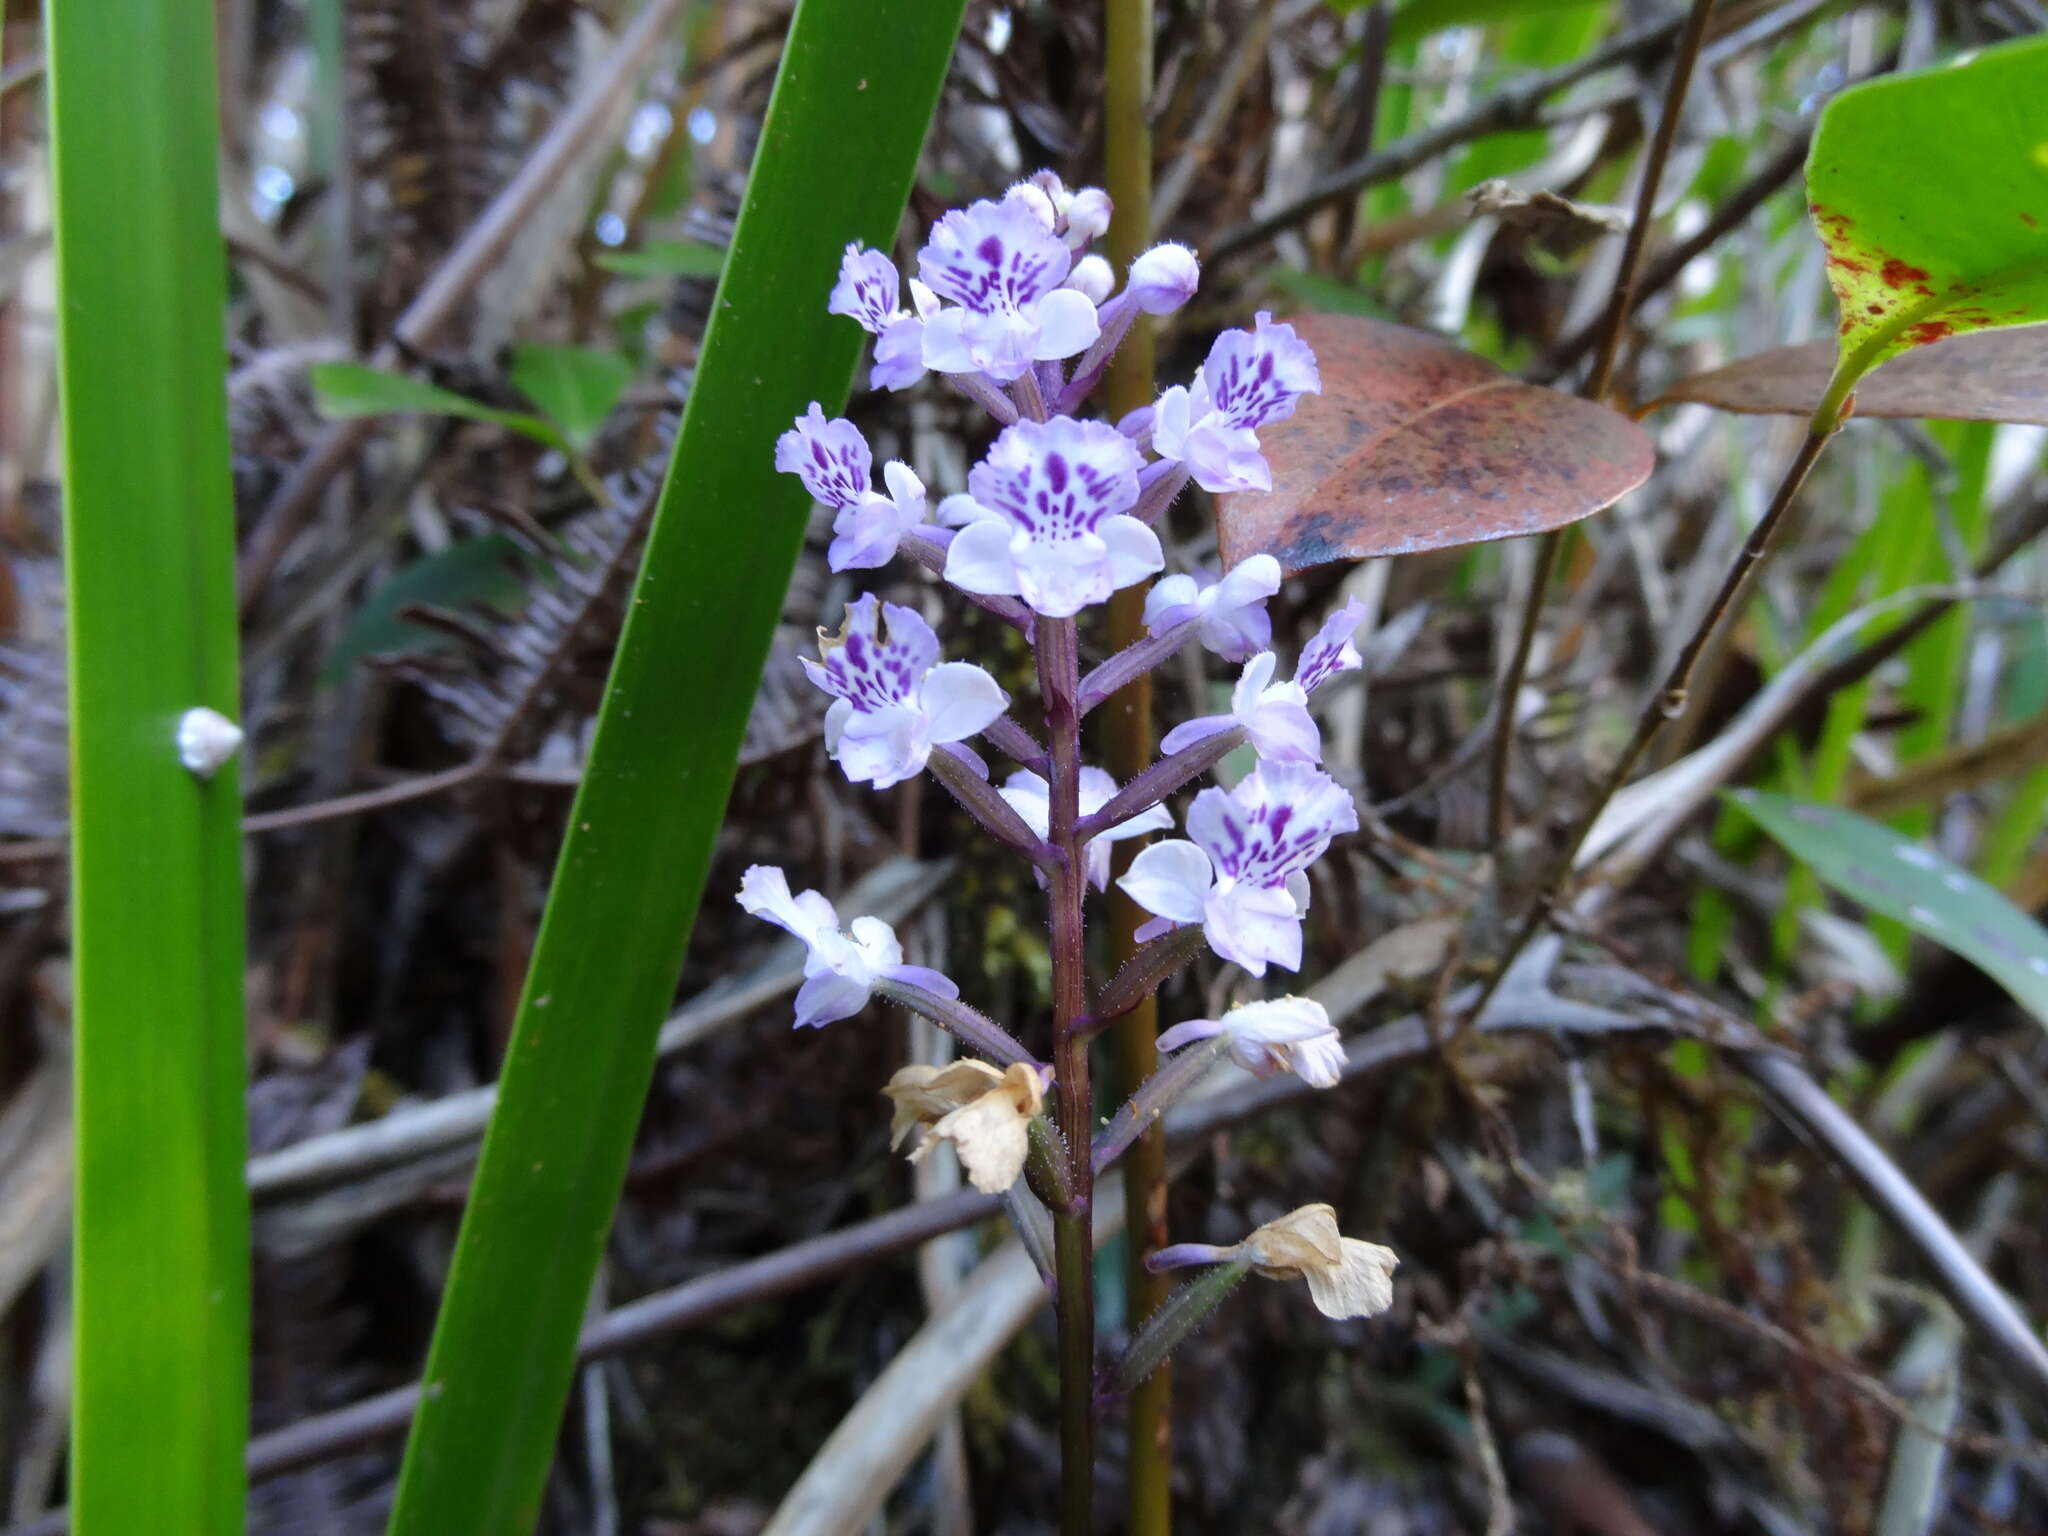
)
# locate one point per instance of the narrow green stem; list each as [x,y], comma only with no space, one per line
[1127,176]
[1073,1240]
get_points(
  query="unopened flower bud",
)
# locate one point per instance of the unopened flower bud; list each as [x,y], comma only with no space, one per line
[1026,194]
[1164,278]
[1093,277]
[1087,212]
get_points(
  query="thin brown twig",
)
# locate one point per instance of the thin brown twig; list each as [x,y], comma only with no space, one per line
[1669,702]
[1619,303]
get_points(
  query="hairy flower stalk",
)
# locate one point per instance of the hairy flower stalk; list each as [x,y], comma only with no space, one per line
[1054,522]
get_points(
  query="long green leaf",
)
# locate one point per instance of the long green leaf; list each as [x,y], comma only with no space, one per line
[161,1231]
[857,85]
[1905,880]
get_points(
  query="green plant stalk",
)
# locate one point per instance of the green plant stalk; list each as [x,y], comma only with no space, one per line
[160,1237]
[839,145]
[1073,1236]
[1127,177]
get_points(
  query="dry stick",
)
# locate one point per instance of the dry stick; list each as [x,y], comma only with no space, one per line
[459,272]
[1669,701]
[1514,106]
[1619,303]
[386,1416]
[1662,272]
[1127,175]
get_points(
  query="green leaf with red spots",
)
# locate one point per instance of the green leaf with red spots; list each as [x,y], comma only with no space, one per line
[1930,192]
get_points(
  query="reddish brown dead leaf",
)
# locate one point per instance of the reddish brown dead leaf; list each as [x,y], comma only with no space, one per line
[1417,444]
[1982,376]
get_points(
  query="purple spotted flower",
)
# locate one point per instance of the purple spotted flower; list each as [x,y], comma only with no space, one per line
[1252,378]
[1232,608]
[891,704]
[832,460]
[841,969]
[868,291]
[1330,651]
[1244,876]
[1274,716]
[1001,268]
[1046,518]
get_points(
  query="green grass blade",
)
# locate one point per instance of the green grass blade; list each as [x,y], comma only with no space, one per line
[839,147]
[161,1233]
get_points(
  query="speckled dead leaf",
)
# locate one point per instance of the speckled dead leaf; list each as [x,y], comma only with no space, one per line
[1418,444]
[1979,376]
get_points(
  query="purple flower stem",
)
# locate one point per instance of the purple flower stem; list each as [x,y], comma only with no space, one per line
[1008,737]
[979,799]
[1133,662]
[1156,1095]
[1073,1246]
[1140,976]
[930,552]
[1161,780]
[1029,397]
[982,390]
[972,1028]
[1173,1320]
[1158,483]
[1114,316]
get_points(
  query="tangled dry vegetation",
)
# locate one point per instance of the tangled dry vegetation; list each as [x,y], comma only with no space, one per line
[1652,1278]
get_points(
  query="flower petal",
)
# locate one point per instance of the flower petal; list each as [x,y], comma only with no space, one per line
[961,700]
[828,997]
[1170,879]
[1134,550]
[1067,325]
[979,559]
[1188,1033]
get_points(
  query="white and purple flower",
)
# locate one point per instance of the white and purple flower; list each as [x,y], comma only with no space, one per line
[1244,876]
[1003,270]
[867,292]
[1232,608]
[1031,798]
[893,702]
[1274,716]
[1329,650]
[832,459]
[841,969]
[1251,379]
[1046,518]
[1285,1034]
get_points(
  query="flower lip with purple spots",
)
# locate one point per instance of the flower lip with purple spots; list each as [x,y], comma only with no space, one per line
[1279,820]
[1059,479]
[1256,377]
[869,668]
[993,258]
[868,290]
[829,455]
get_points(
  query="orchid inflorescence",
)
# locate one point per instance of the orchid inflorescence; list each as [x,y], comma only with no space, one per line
[1009,308]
